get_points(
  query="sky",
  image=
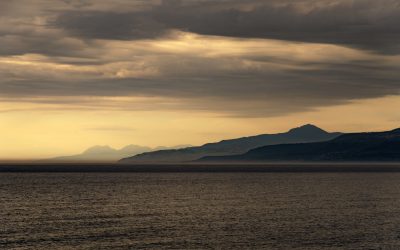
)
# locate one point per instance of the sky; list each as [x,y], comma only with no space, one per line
[78,73]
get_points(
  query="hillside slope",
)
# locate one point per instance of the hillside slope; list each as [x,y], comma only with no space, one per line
[378,146]
[306,133]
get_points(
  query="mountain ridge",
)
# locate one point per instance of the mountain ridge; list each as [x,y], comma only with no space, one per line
[305,133]
[369,146]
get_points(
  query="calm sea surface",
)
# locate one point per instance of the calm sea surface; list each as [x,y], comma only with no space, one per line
[200,211]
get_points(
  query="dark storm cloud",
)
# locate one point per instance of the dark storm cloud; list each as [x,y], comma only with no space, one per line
[110,25]
[365,24]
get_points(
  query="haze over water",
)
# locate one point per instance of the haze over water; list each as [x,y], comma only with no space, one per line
[199,210]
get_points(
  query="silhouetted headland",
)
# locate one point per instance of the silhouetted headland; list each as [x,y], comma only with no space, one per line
[306,133]
[355,147]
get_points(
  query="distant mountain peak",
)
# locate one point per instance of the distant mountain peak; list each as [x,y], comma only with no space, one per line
[99,149]
[355,147]
[104,153]
[303,134]
[133,147]
[307,129]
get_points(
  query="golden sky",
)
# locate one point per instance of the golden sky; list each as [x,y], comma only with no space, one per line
[41,132]
[74,74]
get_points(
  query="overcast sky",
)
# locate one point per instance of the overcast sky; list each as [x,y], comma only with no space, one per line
[161,72]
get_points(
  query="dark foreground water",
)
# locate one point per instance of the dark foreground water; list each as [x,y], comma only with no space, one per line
[200,210]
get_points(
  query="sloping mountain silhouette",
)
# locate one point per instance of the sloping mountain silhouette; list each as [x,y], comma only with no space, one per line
[306,133]
[376,146]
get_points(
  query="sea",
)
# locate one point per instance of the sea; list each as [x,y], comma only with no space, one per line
[200,210]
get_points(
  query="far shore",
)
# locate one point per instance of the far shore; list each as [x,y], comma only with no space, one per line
[299,167]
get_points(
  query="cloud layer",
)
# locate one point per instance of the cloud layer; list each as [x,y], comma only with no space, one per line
[359,23]
[252,58]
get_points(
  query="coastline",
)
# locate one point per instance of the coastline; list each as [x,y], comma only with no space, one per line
[201,168]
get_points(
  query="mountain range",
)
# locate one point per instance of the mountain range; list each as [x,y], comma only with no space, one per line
[354,147]
[108,154]
[303,134]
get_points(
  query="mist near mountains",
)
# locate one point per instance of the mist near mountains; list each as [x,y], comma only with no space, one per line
[108,154]
[307,143]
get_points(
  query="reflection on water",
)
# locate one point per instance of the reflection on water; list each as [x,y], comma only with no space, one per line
[200,210]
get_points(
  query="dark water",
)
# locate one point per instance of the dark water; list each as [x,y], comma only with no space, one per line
[200,211]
